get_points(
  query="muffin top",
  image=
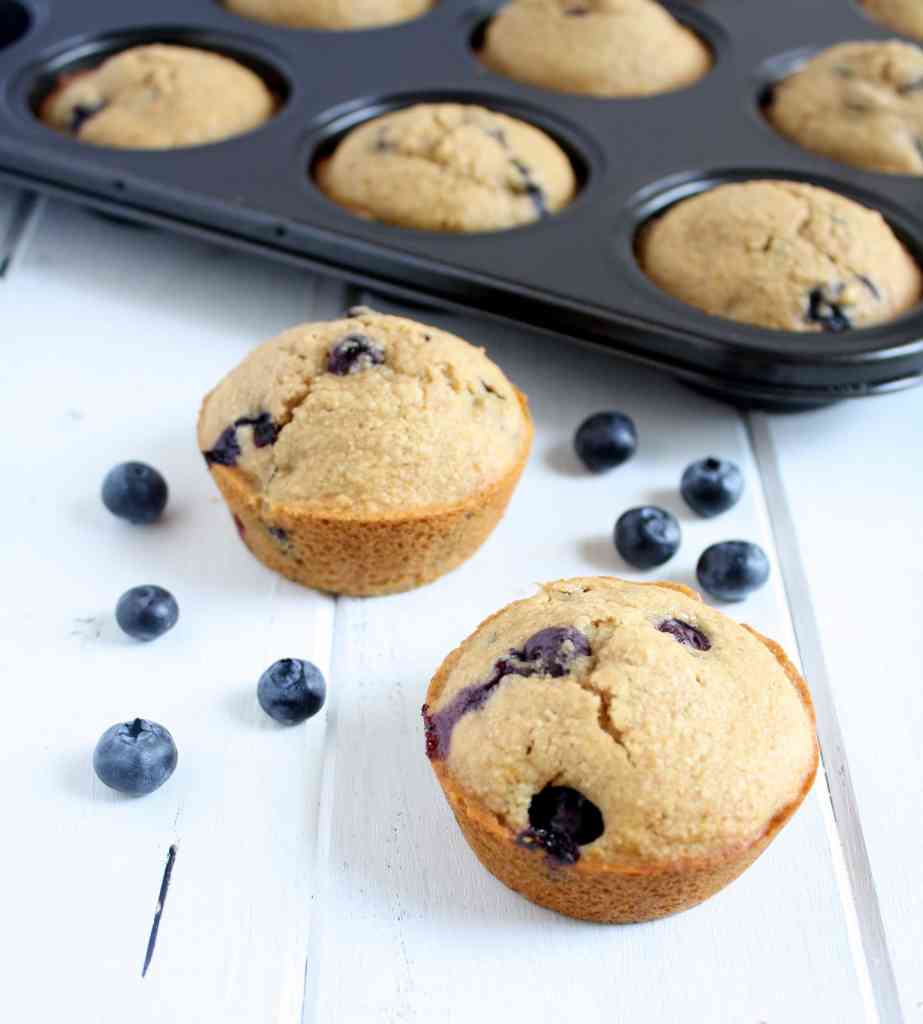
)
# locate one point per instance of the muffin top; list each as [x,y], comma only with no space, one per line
[448,167]
[597,47]
[366,417]
[902,15]
[859,103]
[159,97]
[624,723]
[781,254]
[329,14]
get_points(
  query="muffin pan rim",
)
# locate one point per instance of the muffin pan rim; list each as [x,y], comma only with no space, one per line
[491,273]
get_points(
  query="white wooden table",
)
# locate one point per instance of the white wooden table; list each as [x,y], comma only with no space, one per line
[318,876]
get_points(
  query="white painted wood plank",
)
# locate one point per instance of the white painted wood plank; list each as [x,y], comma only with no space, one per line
[414,929]
[853,478]
[111,335]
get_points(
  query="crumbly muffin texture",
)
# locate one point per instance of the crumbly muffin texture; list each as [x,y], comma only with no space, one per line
[782,255]
[904,16]
[160,97]
[595,47]
[859,103]
[448,167]
[330,14]
[622,724]
[369,416]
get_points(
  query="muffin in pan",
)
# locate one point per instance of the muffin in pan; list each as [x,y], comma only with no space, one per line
[594,47]
[159,96]
[365,455]
[618,751]
[904,16]
[448,167]
[783,255]
[329,14]
[859,103]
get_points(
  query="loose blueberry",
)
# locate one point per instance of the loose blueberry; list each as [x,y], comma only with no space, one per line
[823,309]
[687,635]
[291,690]
[733,569]
[135,491]
[135,757]
[605,440]
[354,353]
[647,536]
[561,820]
[712,486]
[147,612]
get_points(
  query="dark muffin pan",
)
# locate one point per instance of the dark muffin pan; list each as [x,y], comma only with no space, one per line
[574,274]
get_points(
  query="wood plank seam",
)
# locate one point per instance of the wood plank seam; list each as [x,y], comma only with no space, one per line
[861,894]
[20,225]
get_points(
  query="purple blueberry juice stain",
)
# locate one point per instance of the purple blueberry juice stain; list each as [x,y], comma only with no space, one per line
[354,353]
[549,652]
[685,634]
[277,533]
[561,820]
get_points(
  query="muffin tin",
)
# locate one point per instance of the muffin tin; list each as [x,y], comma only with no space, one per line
[574,274]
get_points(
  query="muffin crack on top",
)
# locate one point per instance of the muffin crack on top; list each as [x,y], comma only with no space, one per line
[634,684]
[619,751]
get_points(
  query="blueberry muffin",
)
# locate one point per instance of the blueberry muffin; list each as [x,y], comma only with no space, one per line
[902,15]
[781,254]
[596,47]
[330,14]
[619,751]
[859,103]
[448,167]
[365,455]
[159,97]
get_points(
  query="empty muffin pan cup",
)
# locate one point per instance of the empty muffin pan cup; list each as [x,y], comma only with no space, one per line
[573,274]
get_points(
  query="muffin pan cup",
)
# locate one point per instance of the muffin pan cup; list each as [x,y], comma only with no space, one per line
[574,274]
